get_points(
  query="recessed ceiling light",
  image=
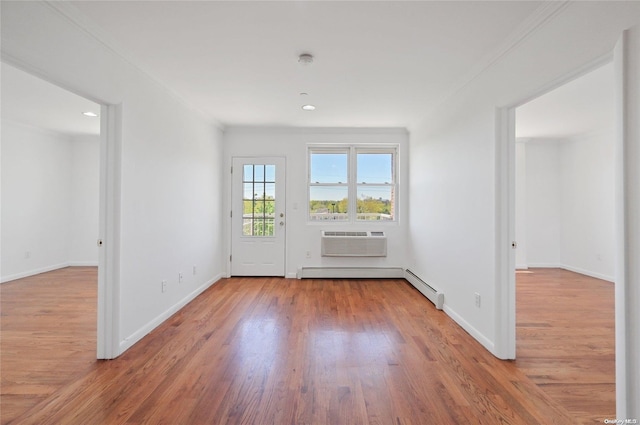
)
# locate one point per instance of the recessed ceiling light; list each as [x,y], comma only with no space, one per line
[308,107]
[90,114]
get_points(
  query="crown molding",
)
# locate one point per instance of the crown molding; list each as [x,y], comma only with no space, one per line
[537,20]
[316,130]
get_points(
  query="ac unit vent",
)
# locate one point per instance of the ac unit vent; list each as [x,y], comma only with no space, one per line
[353,244]
[345,233]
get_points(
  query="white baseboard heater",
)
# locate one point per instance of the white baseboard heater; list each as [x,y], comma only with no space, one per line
[437,298]
[353,244]
[350,272]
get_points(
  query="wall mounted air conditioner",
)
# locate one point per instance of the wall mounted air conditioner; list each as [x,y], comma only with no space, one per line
[353,244]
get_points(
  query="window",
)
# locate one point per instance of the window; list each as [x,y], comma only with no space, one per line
[375,185]
[352,184]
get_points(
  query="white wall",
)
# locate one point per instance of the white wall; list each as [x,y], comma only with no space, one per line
[568,217]
[544,194]
[171,208]
[85,173]
[452,230]
[49,200]
[303,236]
[169,165]
[587,216]
[454,170]
[36,200]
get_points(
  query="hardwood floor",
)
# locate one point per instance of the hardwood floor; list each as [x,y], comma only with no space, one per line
[47,335]
[565,339]
[275,351]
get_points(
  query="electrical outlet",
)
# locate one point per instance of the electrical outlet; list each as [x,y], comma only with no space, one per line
[164,286]
[27,254]
[194,270]
[308,254]
[477,299]
[180,277]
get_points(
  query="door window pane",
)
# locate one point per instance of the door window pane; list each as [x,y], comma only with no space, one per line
[258,203]
[270,173]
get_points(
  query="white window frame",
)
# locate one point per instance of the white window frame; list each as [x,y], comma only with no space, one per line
[352,184]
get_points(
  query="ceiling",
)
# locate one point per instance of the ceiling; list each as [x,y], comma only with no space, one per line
[31,101]
[578,107]
[376,64]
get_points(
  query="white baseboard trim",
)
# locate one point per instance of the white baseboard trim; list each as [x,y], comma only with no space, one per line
[544,266]
[292,276]
[573,269]
[477,335]
[350,272]
[522,266]
[588,273]
[129,341]
[33,272]
[83,264]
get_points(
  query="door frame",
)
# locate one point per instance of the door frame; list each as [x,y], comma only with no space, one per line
[108,294]
[505,307]
[108,335]
[505,342]
[230,200]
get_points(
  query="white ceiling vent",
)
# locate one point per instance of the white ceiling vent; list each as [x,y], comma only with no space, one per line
[354,244]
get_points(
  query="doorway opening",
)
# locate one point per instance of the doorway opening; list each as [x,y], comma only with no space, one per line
[565,233]
[51,202]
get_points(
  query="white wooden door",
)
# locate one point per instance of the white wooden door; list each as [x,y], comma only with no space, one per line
[258,216]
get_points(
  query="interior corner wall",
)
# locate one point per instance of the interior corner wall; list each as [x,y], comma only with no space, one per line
[50,200]
[453,176]
[569,210]
[169,164]
[36,200]
[451,224]
[587,233]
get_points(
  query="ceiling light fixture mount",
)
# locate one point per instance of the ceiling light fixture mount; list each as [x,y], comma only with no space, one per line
[308,107]
[305,59]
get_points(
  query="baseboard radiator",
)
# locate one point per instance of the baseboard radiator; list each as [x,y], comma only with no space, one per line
[350,272]
[353,244]
[437,298]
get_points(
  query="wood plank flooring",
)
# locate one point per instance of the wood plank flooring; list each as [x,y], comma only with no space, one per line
[47,335]
[565,339]
[274,351]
